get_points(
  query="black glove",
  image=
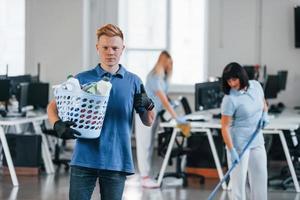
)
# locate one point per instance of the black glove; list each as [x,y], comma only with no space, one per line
[64,131]
[142,101]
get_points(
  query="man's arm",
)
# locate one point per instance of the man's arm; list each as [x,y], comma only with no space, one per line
[147,117]
[144,106]
[62,128]
[52,112]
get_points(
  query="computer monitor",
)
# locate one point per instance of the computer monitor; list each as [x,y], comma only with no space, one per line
[208,95]
[3,77]
[251,72]
[4,89]
[271,86]
[282,77]
[22,95]
[16,80]
[5,92]
[38,95]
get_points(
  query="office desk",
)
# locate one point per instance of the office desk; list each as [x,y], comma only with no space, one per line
[17,122]
[288,120]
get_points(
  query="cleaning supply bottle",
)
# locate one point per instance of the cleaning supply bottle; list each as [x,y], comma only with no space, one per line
[101,87]
[72,83]
[104,86]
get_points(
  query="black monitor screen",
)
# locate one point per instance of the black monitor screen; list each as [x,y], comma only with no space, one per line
[208,95]
[251,72]
[282,76]
[38,95]
[3,77]
[16,80]
[297,26]
[4,89]
[22,95]
[271,87]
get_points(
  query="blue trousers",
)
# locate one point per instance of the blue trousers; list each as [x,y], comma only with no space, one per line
[83,181]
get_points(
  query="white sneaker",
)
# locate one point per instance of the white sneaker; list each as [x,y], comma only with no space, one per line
[147,182]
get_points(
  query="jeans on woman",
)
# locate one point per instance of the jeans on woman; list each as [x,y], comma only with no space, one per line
[83,181]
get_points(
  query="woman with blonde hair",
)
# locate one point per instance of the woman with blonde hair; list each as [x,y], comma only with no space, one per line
[157,85]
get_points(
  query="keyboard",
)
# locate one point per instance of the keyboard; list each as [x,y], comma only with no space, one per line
[196,118]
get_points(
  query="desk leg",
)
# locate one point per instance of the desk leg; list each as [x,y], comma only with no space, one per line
[167,156]
[18,128]
[45,149]
[8,158]
[216,157]
[289,161]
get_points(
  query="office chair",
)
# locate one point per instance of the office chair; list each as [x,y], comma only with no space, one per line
[179,151]
[57,148]
[284,179]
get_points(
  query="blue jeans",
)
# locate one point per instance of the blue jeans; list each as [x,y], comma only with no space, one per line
[83,181]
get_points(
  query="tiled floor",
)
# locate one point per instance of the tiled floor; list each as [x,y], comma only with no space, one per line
[55,187]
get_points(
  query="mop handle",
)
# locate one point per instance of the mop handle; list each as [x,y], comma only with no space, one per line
[213,193]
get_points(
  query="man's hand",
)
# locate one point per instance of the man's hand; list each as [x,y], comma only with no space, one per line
[142,101]
[234,156]
[64,131]
[264,120]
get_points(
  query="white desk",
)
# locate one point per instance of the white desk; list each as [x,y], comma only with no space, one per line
[17,121]
[288,120]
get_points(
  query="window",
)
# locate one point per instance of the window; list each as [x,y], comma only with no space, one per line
[12,36]
[175,25]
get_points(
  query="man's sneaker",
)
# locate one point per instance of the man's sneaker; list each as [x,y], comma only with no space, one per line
[147,182]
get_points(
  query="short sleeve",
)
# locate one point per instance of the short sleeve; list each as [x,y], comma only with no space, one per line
[227,106]
[260,89]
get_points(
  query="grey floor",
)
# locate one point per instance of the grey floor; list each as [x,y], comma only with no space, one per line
[55,187]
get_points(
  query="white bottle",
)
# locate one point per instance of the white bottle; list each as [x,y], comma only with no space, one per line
[72,84]
[104,86]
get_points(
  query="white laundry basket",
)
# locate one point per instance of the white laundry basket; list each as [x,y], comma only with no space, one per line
[85,109]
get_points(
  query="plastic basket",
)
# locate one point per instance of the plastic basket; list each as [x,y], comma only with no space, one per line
[85,109]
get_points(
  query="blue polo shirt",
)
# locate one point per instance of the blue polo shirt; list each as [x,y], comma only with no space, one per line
[112,150]
[156,83]
[245,108]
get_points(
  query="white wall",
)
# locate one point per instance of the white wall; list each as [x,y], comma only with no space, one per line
[54,38]
[255,32]
[249,32]
[61,35]
[97,13]
[278,50]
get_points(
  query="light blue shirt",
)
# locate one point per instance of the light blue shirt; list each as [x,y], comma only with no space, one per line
[245,108]
[112,150]
[156,83]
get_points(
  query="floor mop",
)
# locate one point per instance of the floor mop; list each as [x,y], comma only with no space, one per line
[213,193]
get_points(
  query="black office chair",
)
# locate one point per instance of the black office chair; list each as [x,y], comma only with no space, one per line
[185,104]
[57,148]
[179,151]
[284,179]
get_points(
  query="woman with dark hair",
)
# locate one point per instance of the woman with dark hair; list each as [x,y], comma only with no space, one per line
[242,108]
